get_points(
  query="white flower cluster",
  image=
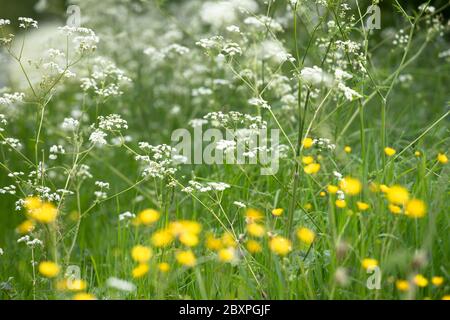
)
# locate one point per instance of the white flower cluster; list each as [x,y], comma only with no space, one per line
[55,150]
[201,91]
[324,144]
[427,8]
[234,118]
[31,243]
[220,46]
[401,39]
[231,49]
[221,13]
[126,216]
[158,163]
[259,102]
[120,284]
[15,174]
[85,39]
[8,190]
[11,98]
[47,194]
[12,142]
[26,23]
[83,171]
[173,50]
[315,76]
[112,122]
[106,79]
[214,42]
[239,204]
[98,137]
[271,50]
[70,124]
[101,194]
[209,186]
[4,22]
[3,122]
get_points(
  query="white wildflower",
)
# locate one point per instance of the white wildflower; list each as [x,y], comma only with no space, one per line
[126,215]
[120,284]
[98,137]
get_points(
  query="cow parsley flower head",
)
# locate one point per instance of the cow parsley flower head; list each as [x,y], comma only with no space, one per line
[70,124]
[98,137]
[4,22]
[112,122]
[315,76]
[26,23]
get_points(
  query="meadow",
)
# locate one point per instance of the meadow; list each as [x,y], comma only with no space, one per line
[96,201]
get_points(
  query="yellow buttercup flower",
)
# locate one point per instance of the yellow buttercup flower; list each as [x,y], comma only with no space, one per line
[141,253]
[307,143]
[186,258]
[163,267]
[253,246]
[307,160]
[148,216]
[253,215]
[322,194]
[446,297]
[442,158]
[420,280]
[341,203]
[277,212]
[46,213]
[32,203]
[332,189]
[226,255]
[415,208]
[394,209]
[308,206]
[397,195]
[256,230]
[228,240]
[369,263]
[417,153]
[49,269]
[161,238]
[350,186]
[213,243]
[76,285]
[312,168]
[402,285]
[280,245]
[185,226]
[189,239]
[362,206]
[306,235]
[437,281]
[348,149]
[389,151]
[384,188]
[84,296]
[140,271]
[25,227]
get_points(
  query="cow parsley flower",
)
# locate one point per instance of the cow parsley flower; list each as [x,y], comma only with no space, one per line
[70,124]
[26,23]
[98,137]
